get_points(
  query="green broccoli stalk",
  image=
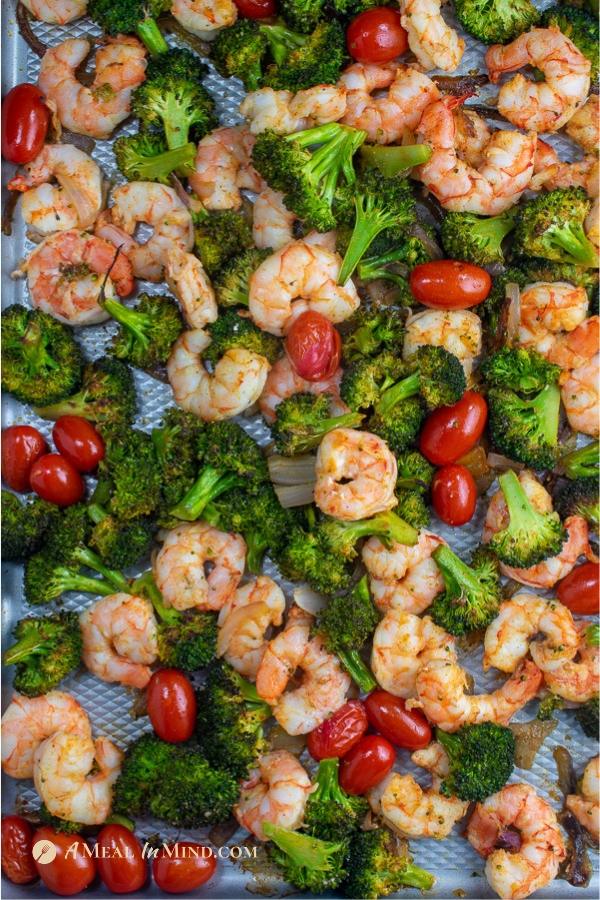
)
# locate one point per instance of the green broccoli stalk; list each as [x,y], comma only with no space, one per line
[481,758]
[47,650]
[119,544]
[476,239]
[281,41]
[372,330]
[175,104]
[303,420]
[438,377]
[232,330]
[346,624]
[132,17]
[472,594]
[396,160]
[330,813]
[579,497]
[519,370]
[308,863]
[24,526]
[496,21]
[147,332]
[232,284]
[581,26]
[107,395]
[530,536]
[46,580]
[394,253]
[582,463]
[342,536]
[209,485]
[378,865]
[144,157]
[551,226]
[526,429]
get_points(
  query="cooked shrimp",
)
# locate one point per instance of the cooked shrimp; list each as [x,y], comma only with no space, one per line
[235,383]
[435,44]
[63,777]
[199,567]
[319,104]
[204,18]
[548,310]
[402,645]
[414,812]
[223,166]
[585,805]
[158,206]
[283,655]
[574,349]
[577,353]
[441,686]
[185,275]
[515,874]
[490,188]
[283,381]
[404,577]
[584,125]
[551,173]
[385,118]
[285,112]
[74,202]
[547,105]
[301,275]
[275,792]
[578,679]
[244,622]
[472,136]
[66,272]
[28,721]
[120,639]
[98,109]
[56,12]
[457,330]
[272,222]
[356,475]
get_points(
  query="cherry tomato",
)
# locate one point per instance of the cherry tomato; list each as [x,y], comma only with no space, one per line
[449,284]
[454,494]
[367,764]
[580,589]
[171,705]
[25,120]
[17,861]
[376,36]
[313,346]
[188,866]
[65,874]
[120,862]
[451,431]
[56,480]
[21,446]
[256,9]
[404,727]
[79,442]
[339,733]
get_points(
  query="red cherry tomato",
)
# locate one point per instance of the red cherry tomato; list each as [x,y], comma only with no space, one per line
[454,494]
[449,284]
[21,446]
[339,733]
[404,727]
[580,589]
[451,431]
[120,862]
[366,764]
[171,705]
[17,861]
[65,874]
[313,346]
[25,119]
[79,442]
[256,9]
[181,870]
[54,479]
[376,36]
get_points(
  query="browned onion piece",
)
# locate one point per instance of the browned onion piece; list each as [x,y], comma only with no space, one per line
[25,30]
[458,85]
[513,315]
[9,212]
[430,243]
[529,737]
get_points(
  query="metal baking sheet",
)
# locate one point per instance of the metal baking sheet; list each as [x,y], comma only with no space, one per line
[458,869]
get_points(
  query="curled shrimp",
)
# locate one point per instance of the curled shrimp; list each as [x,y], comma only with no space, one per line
[28,721]
[515,874]
[185,275]
[244,621]
[578,353]
[120,639]
[56,12]
[66,272]
[283,381]
[551,173]
[584,125]
[204,18]
[402,577]
[547,105]
[223,166]
[63,777]
[302,275]
[435,44]
[576,679]
[74,202]
[272,222]
[98,109]
[199,567]
[283,655]
[457,330]
[547,310]
[402,644]
[385,118]
[490,188]
[275,792]
[585,805]
[235,384]
[355,475]
[441,686]
[285,112]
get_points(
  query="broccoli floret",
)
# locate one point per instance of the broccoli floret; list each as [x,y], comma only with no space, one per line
[530,536]
[379,864]
[588,716]
[582,463]
[412,486]
[231,331]
[308,863]
[308,179]
[342,536]
[147,331]
[548,707]
[330,813]
[303,15]
[230,720]
[144,157]
[307,556]
[580,26]
[303,420]
[233,281]
[551,226]
[496,21]
[413,509]
[107,395]
[519,369]
[526,429]
[179,62]
[476,239]
[392,253]
[132,17]
[346,624]
[472,594]
[435,374]
[371,331]
[24,525]
[579,498]
[365,379]
[119,544]
[47,650]
[303,61]
[481,758]
[41,360]
[130,472]
[346,9]
[239,52]
[176,448]
[176,105]
[220,236]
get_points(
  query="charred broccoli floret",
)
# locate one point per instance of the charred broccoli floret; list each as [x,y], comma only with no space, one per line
[481,758]
[303,15]
[579,498]
[472,594]
[306,556]
[302,61]
[107,395]
[494,309]
[379,864]
[132,17]
[476,239]
[119,544]
[173,102]
[582,463]
[24,525]
[129,474]
[144,157]
[308,863]
[496,21]
[519,369]
[147,331]
[330,813]
[588,716]
[526,428]
[231,331]
[233,281]
[47,650]
[303,420]
[365,379]
[346,624]
[581,26]
[551,226]
[415,474]
[371,331]
[176,443]
[239,52]
[219,237]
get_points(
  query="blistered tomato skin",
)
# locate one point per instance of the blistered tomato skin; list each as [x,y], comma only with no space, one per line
[579,591]
[449,284]
[407,728]
[72,869]
[339,733]
[451,431]
[313,346]
[376,36]
[17,862]
[454,494]
[366,764]
[121,865]
[185,869]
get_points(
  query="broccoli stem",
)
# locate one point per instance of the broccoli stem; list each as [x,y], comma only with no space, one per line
[592,636]
[151,36]
[96,513]
[305,851]
[358,670]
[393,161]
[256,551]
[310,441]
[146,586]
[547,407]
[388,527]
[458,577]
[88,558]
[403,389]
[159,167]
[282,41]
[582,463]
[413,876]
[373,267]
[370,222]
[519,508]
[571,238]
[134,321]
[28,646]
[64,579]
[210,485]
[339,143]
